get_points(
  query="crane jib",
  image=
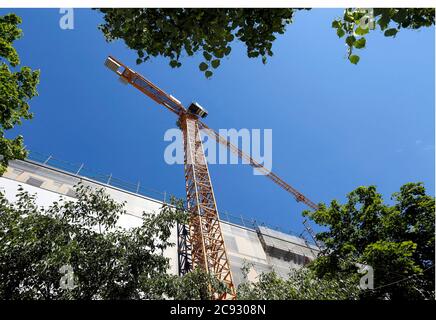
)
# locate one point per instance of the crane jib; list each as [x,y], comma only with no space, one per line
[158,94]
[205,247]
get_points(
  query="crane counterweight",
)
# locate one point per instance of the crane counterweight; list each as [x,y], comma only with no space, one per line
[197,109]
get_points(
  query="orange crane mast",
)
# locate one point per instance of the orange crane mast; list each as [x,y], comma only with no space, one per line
[203,246]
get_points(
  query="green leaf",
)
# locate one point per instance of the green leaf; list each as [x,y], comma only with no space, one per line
[174,63]
[203,66]
[391,32]
[264,60]
[138,61]
[350,40]
[219,53]
[354,59]
[359,44]
[215,63]
[230,37]
[348,16]
[208,74]
[207,55]
[383,22]
[400,16]
[340,32]
[360,32]
[227,51]
[336,24]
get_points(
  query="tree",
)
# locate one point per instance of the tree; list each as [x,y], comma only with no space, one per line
[302,284]
[194,286]
[172,33]
[17,87]
[397,241]
[357,23]
[108,262]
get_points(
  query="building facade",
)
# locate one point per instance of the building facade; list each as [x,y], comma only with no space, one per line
[262,248]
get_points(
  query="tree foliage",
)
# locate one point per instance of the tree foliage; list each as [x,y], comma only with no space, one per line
[108,262]
[302,284]
[194,286]
[356,23]
[17,87]
[397,241]
[173,33]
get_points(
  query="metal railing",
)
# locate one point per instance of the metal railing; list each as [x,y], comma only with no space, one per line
[253,224]
[80,170]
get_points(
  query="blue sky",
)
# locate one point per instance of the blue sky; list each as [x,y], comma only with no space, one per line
[336,126]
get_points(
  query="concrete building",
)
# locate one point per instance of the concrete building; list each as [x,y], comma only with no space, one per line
[262,247]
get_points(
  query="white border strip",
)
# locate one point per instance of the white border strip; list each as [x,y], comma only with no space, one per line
[214,4]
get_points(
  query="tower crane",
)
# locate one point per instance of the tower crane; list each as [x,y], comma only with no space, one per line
[203,245]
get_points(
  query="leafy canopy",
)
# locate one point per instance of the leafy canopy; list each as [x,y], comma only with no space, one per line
[17,87]
[356,23]
[397,241]
[109,262]
[302,284]
[173,33]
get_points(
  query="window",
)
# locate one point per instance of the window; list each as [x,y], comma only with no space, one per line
[34,182]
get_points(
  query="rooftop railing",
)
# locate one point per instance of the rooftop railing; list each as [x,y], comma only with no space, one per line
[81,170]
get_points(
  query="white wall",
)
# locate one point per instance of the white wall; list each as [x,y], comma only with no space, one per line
[242,244]
[134,206]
